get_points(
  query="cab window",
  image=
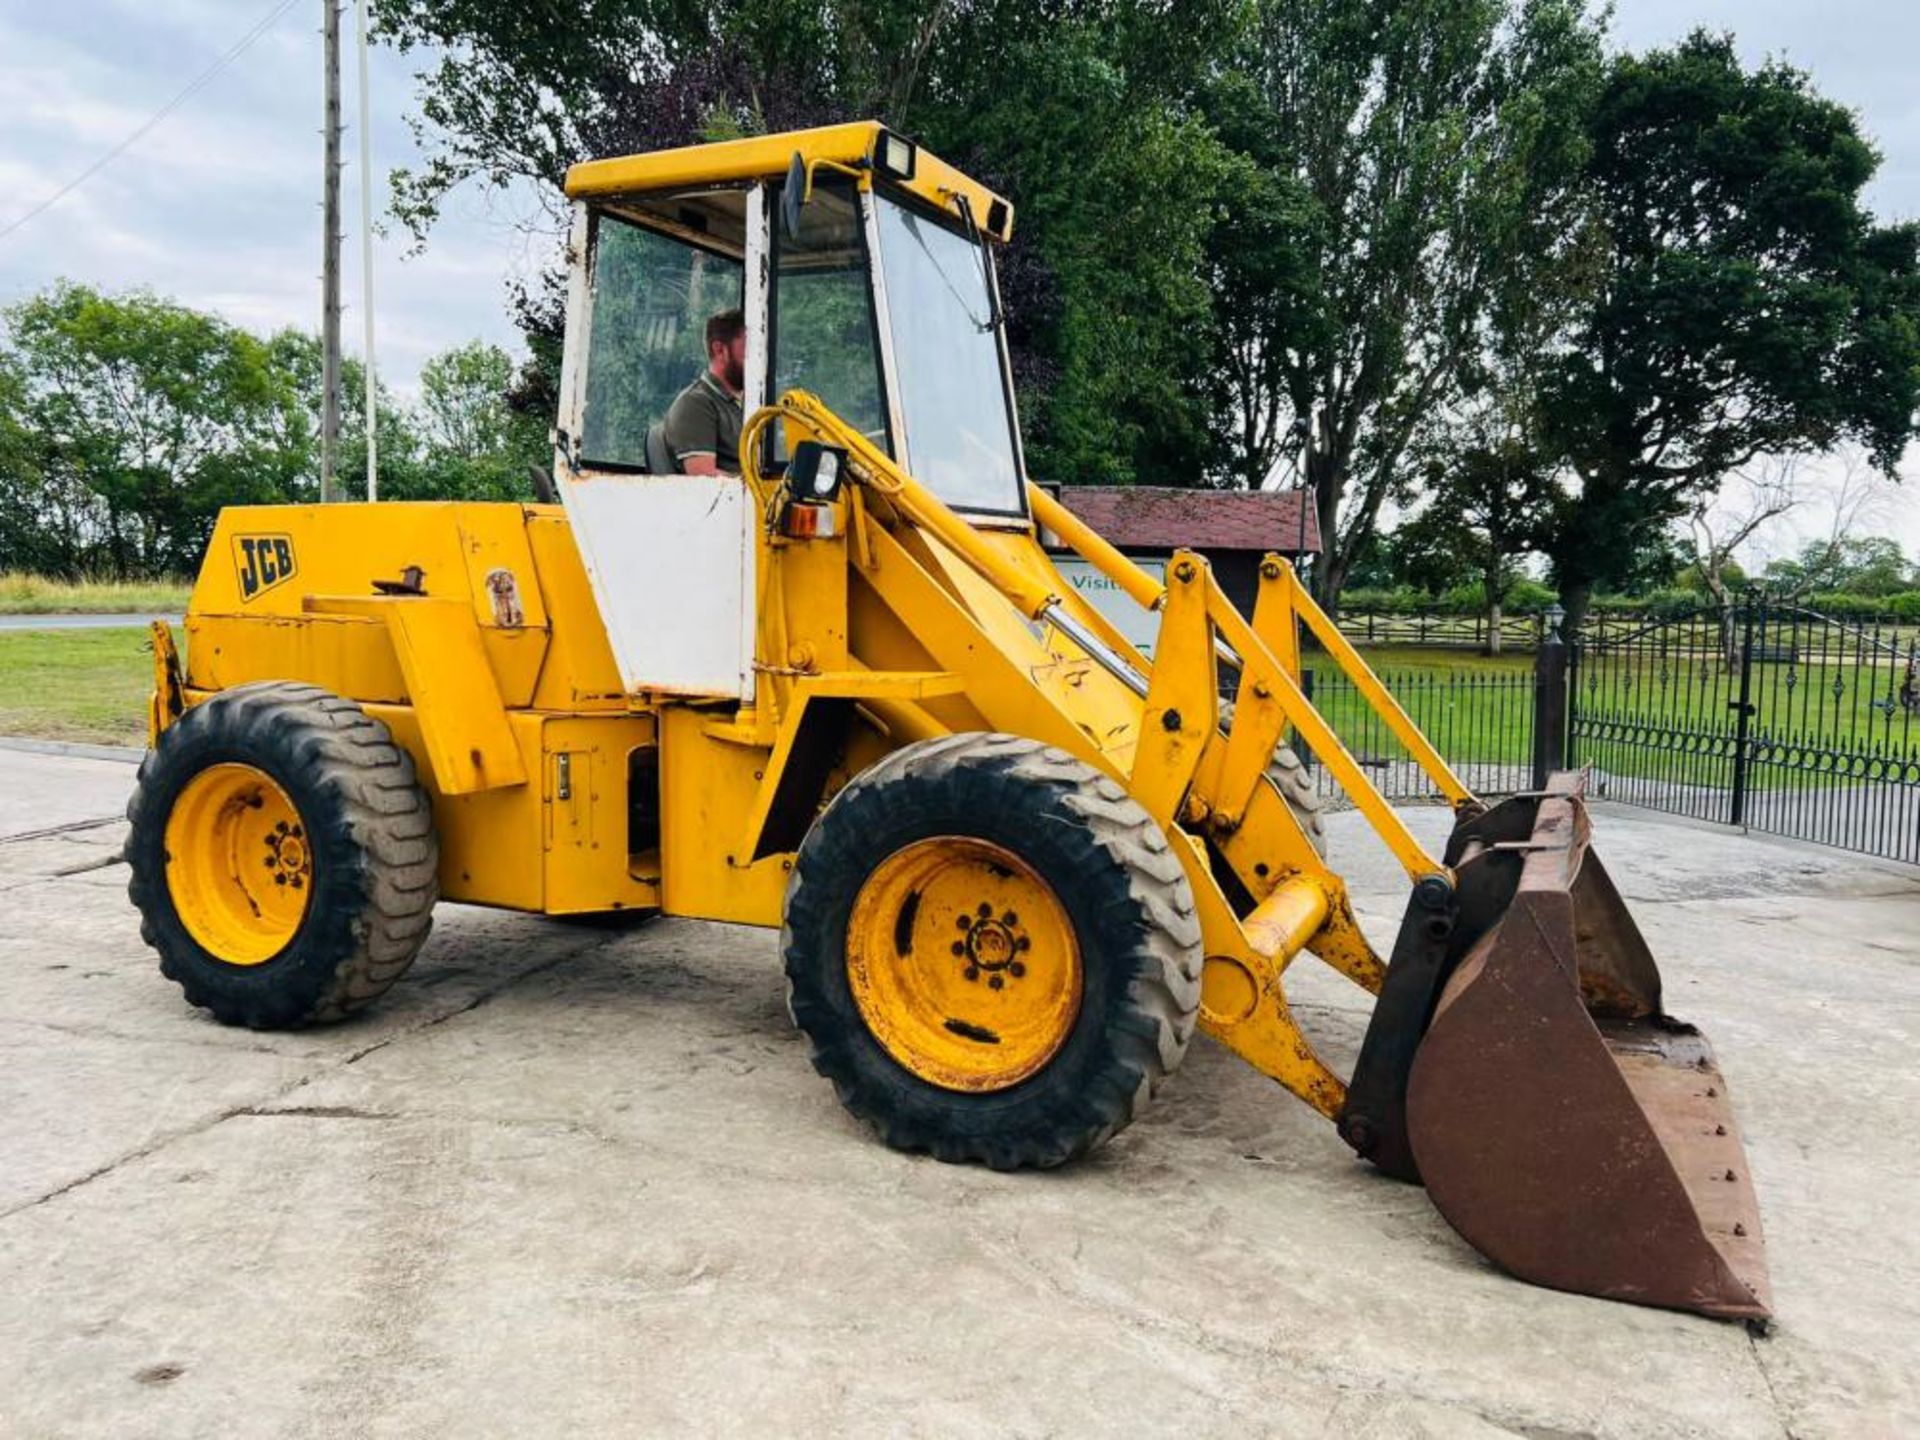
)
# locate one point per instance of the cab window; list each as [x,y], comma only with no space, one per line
[823,332]
[651,295]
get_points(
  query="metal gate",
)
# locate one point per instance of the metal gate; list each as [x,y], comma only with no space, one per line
[1764,715]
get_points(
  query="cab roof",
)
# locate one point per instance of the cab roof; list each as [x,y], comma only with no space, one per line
[766,157]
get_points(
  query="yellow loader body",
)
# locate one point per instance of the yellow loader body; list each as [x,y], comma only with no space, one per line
[1015,860]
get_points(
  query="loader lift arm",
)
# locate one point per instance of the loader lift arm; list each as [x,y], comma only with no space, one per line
[1203,786]
[1619,1183]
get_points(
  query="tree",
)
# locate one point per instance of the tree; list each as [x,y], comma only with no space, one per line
[127,422]
[1718,525]
[296,355]
[1744,302]
[474,444]
[1077,110]
[1868,565]
[1491,508]
[1115,194]
[146,418]
[37,532]
[1408,157]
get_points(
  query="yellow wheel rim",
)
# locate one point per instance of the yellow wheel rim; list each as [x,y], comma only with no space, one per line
[963,963]
[239,864]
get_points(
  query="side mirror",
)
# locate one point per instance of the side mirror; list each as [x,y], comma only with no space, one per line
[793,196]
[816,472]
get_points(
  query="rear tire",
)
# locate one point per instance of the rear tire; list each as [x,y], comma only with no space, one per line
[359,842]
[1105,885]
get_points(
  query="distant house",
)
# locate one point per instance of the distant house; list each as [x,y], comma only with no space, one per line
[1232,528]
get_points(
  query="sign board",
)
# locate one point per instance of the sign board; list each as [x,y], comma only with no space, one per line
[1141,627]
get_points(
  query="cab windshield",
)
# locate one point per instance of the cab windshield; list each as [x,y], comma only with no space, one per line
[946,354]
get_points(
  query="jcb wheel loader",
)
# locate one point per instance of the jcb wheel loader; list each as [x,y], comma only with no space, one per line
[1016,861]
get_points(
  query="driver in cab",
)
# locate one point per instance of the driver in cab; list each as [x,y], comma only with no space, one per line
[703,423]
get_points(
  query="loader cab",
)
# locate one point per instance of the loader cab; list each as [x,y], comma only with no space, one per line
[865,273]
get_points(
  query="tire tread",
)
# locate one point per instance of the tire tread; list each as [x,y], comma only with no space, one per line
[375,805]
[1162,995]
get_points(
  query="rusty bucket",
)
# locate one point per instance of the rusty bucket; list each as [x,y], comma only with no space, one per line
[1564,1124]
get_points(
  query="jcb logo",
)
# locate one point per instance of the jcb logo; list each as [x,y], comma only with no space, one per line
[263,562]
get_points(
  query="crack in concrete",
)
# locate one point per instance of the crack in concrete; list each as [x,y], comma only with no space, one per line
[1144,1326]
[97,1032]
[1766,1379]
[106,862]
[201,1126]
[28,881]
[51,832]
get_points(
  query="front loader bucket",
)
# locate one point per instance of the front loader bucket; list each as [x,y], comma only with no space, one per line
[1564,1125]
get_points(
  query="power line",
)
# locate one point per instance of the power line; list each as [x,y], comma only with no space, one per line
[192,88]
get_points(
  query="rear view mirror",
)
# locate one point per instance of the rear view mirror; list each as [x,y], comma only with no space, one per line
[793,197]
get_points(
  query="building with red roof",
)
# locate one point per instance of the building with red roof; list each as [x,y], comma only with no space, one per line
[1232,528]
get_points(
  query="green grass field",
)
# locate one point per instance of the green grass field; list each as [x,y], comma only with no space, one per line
[91,685]
[22,594]
[1478,710]
[86,685]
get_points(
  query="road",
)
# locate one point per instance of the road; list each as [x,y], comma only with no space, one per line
[79,622]
[567,1180]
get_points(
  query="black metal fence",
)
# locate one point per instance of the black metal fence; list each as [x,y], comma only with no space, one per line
[1481,721]
[1433,628]
[1765,715]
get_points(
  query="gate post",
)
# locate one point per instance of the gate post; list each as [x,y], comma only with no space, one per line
[1743,712]
[1550,701]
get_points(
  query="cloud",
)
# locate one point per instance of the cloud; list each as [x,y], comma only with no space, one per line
[218,206]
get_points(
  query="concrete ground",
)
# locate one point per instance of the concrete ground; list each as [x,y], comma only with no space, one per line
[571,1181]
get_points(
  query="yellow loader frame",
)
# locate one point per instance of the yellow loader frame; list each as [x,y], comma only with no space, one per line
[514,710]
[381,706]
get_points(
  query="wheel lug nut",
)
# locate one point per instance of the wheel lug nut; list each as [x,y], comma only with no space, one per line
[1009,918]
[958,948]
[1016,969]
[986,911]
[995,981]
[965,922]
[973,973]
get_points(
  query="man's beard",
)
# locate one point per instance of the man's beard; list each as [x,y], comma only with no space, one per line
[736,375]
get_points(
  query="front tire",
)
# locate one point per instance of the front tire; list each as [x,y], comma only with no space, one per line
[282,856]
[993,951]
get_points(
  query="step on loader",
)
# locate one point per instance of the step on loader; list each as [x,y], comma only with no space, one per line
[1016,860]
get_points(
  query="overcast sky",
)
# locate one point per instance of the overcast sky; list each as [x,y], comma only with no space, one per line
[218,205]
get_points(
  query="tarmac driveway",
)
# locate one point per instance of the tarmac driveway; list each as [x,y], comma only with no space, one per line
[576,1181]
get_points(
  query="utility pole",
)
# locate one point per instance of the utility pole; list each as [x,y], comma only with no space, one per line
[366,251]
[330,260]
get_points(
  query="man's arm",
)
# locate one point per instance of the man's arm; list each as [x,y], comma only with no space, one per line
[692,435]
